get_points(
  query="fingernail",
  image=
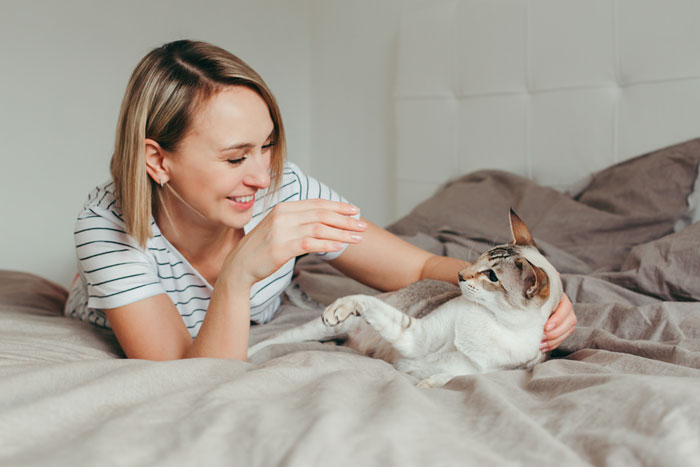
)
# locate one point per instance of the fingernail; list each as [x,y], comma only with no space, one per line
[354,209]
[550,326]
[361,225]
[357,238]
[544,346]
[338,245]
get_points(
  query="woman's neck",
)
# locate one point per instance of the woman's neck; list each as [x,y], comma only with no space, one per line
[204,245]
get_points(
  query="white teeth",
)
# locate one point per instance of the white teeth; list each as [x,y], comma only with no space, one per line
[244,199]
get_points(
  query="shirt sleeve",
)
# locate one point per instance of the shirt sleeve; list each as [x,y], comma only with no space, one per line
[310,188]
[116,269]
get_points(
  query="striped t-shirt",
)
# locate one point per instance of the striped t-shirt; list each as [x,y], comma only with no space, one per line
[115,271]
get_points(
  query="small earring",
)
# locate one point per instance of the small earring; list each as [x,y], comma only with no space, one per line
[161,182]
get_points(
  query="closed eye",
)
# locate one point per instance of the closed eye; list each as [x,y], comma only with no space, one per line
[236,161]
[241,159]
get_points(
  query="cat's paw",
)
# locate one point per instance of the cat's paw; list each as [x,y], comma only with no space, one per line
[341,309]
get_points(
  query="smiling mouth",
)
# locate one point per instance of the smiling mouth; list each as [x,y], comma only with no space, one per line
[242,199]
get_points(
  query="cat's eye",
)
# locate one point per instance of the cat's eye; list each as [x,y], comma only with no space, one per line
[492,275]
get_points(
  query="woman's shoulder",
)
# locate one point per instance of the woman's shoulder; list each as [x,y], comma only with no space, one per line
[101,236]
[101,203]
[100,222]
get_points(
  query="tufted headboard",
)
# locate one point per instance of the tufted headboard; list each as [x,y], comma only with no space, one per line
[550,89]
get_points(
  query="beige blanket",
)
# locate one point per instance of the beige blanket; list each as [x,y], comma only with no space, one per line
[623,390]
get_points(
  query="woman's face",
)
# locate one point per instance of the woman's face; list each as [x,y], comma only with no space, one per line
[224,159]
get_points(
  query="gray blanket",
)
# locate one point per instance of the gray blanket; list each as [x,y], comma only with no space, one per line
[622,390]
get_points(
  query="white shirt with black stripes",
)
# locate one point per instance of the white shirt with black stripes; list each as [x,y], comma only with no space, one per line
[115,271]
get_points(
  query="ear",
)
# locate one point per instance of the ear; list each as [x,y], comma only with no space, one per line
[535,280]
[155,161]
[521,235]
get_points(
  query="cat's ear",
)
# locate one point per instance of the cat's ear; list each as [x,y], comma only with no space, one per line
[521,235]
[535,280]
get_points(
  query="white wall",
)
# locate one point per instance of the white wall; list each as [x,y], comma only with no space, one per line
[353,52]
[65,66]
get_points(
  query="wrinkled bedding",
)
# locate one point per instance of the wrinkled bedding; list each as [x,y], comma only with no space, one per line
[622,390]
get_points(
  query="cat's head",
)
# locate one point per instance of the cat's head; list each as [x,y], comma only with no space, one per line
[515,276]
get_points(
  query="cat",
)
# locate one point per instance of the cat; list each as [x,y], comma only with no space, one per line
[496,323]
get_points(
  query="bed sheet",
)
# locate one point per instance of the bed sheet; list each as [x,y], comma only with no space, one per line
[622,390]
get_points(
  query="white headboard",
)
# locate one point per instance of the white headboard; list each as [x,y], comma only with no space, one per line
[549,89]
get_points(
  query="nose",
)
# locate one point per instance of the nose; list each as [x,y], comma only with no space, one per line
[461,279]
[258,175]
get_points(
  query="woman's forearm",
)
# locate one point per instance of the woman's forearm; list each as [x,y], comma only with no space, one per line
[224,331]
[442,268]
[386,262]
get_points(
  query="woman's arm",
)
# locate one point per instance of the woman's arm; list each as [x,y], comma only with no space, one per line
[386,262]
[153,329]
[383,260]
[443,268]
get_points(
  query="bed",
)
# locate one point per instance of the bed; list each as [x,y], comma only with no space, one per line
[620,224]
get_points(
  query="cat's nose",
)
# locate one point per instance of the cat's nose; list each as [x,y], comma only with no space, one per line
[461,279]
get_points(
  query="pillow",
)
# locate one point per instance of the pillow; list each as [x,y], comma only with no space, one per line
[693,206]
[657,188]
[33,328]
[627,204]
[667,268]
[31,292]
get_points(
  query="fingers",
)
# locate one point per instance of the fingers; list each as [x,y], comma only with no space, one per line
[325,232]
[330,218]
[315,226]
[559,326]
[561,313]
[554,343]
[318,211]
[318,237]
[308,226]
[315,245]
[345,209]
[291,229]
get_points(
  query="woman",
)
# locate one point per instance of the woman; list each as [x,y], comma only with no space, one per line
[197,233]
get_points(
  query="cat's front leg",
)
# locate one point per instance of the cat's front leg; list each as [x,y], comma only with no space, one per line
[377,313]
[404,333]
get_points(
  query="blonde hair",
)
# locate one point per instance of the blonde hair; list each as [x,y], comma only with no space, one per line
[165,91]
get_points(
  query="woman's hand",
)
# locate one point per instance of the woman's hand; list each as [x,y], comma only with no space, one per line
[289,230]
[559,326]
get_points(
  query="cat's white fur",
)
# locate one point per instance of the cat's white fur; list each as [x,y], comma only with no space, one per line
[476,332]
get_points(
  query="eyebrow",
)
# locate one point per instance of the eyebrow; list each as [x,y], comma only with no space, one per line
[246,145]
